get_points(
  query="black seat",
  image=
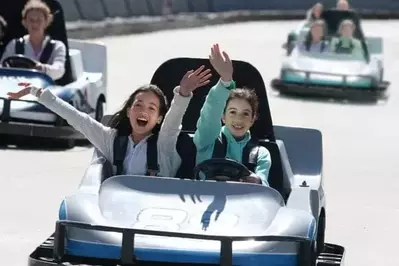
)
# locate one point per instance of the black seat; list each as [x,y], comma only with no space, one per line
[57,30]
[333,18]
[169,74]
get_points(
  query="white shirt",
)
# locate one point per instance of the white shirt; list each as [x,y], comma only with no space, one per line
[55,67]
[136,157]
[102,137]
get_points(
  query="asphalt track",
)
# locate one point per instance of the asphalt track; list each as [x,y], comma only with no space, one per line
[360,143]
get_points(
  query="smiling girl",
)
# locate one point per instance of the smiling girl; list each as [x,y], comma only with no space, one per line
[238,110]
[141,114]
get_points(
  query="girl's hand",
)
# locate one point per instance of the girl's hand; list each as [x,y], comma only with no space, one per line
[23,92]
[223,66]
[193,80]
[253,178]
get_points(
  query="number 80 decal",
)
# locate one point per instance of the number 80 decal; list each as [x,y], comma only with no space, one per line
[160,219]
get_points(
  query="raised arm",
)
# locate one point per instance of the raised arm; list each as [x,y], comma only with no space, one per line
[171,125]
[209,123]
[98,134]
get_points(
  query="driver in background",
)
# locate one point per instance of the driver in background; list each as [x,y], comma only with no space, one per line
[346,43]
[314,42]
[36,17]
[238,110]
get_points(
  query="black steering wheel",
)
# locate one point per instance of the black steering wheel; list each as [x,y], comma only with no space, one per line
[221,169]
[19,61]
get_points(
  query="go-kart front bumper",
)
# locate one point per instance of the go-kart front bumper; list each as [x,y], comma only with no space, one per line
[53,251]
[333,91]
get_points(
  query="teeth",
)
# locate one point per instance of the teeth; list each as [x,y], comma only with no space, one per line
[142,119]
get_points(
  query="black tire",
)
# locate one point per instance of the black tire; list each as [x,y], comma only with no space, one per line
[99,110]
[321,228]
[4,141]
[307,254]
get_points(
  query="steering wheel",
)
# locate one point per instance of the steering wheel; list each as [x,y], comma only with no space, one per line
[19,61]
[221,169]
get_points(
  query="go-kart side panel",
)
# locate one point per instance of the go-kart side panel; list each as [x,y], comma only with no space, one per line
[98,170]
[304,148]
[375,45]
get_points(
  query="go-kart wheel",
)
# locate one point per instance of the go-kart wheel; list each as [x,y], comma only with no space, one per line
[307,254]
[321,228]
[220,169]
[99,110]
[19,61]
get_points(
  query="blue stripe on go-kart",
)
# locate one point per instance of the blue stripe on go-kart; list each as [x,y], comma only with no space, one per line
[292,77]
[96,250]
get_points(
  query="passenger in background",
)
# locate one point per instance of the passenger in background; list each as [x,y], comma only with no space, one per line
[343,5]
[314,41]
[347,43]
[314,13]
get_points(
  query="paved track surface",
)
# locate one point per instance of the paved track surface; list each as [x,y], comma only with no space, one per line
[361,162]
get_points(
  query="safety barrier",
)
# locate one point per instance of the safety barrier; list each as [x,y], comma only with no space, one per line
[95,14]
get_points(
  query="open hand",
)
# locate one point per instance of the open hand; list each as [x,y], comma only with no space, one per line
[223,66]
[39,66]
[193,80]
[23,92]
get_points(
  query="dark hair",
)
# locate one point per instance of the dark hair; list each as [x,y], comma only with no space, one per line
[245,94]
[121,122]
[309,38]
[318,4]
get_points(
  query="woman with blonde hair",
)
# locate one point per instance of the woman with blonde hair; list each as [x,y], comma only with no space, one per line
[49,54]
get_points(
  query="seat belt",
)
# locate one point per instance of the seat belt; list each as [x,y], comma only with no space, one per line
[120,148]
[46,53]
[249,156]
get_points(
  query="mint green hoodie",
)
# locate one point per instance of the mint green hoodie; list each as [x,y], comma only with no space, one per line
[209,128]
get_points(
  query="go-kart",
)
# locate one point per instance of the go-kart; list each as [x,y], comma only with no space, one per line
[331,74]
[138,220]
[83,85]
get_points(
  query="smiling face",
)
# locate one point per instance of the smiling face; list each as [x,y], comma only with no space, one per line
[317,9]
[342,5]
[346,30]
[144,113]
[238,117]
[35,22]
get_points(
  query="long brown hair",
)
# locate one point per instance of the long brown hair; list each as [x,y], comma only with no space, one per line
[121,121]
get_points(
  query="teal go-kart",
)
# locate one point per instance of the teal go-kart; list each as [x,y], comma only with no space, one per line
[331,74]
